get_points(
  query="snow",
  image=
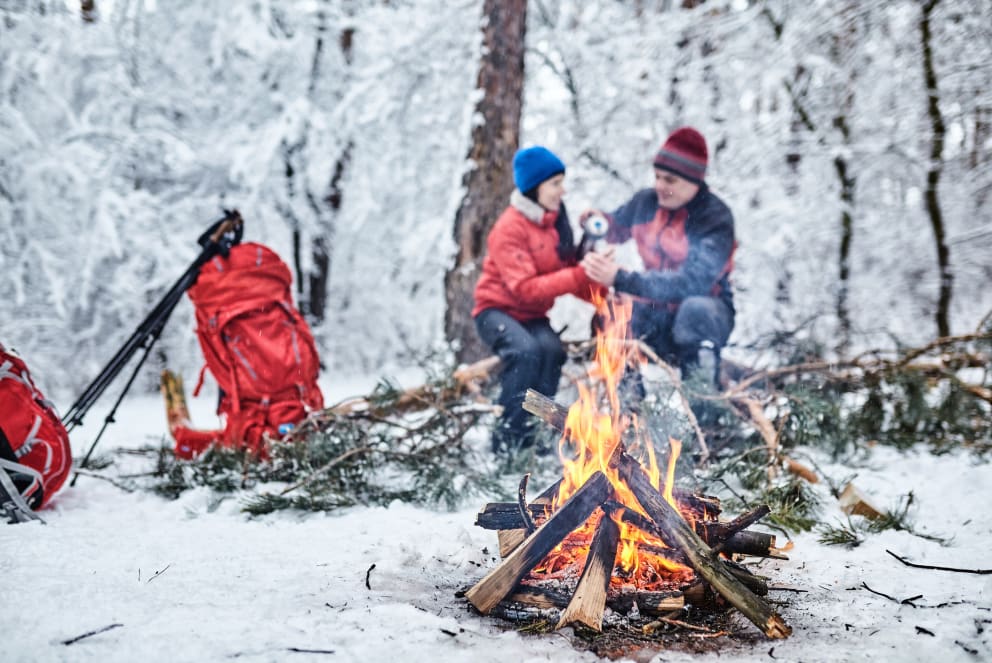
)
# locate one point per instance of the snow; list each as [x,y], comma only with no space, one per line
[195,579]
[121,140]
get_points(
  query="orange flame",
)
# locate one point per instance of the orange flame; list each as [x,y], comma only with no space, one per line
[592,436]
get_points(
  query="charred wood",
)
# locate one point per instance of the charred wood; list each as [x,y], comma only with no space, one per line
[492,589]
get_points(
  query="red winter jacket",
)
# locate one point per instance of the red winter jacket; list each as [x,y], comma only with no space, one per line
[522,273]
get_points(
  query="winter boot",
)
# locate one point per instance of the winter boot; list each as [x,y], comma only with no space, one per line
[701,367]
[700,373]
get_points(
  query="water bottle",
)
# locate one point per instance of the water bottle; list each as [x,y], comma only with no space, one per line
[595,229]
[597,226]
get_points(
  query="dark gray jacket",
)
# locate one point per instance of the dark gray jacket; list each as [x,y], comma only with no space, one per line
[710,231]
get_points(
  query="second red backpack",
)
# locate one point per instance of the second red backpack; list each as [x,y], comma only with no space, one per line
[256,344]
[34,444]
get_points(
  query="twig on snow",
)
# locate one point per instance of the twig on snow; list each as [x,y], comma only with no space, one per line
[89,633]
[158,573]
[939,568]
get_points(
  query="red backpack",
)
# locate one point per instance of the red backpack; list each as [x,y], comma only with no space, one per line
[257,346]
[34,445]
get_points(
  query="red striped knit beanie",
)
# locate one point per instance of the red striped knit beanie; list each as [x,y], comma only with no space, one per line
[684,153]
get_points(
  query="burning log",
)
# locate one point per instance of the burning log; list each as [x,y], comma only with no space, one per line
[728,536]
[589,599]
[700,556]
[658,551]
[751,581]
[498,584]
[506,515]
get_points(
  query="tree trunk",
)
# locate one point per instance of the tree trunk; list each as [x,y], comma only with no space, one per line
[933,174]
[489,183]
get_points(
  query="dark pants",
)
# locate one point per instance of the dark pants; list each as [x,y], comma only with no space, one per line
[677,335]
[532,355]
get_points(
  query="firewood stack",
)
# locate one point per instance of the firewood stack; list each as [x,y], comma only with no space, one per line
[673,564]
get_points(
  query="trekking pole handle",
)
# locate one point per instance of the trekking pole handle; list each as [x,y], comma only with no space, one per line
[232,220]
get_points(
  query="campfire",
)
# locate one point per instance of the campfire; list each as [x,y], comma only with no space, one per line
[636,544]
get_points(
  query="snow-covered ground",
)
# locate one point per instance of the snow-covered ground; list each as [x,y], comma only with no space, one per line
[197,580]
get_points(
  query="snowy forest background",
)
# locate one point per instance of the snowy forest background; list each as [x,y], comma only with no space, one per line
[851,139]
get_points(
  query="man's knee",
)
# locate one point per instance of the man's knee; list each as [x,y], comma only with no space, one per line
[702,319]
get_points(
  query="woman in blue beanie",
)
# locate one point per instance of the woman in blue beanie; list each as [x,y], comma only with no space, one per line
[530,262]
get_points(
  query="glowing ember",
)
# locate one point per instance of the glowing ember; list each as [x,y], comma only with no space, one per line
[592,434]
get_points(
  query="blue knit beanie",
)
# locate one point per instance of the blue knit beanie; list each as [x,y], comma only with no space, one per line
[533,165]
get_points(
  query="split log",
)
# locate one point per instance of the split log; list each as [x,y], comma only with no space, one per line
[546,409]
[176,411]
[700,557]
[492,589]
[509,539]
[589,599]
[853,502]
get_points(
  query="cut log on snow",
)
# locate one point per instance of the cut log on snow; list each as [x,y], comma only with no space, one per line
[853,502]
[492,589]
[176,411]
[589,599]
[731,537]
[700,556]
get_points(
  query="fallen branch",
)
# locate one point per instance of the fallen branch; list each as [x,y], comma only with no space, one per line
[529,524]
[111,481]
[466,379]
[324,468]
[939,568]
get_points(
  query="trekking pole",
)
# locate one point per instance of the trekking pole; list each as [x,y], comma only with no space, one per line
[226,233]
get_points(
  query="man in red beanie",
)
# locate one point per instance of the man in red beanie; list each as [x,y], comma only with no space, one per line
[683,304]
